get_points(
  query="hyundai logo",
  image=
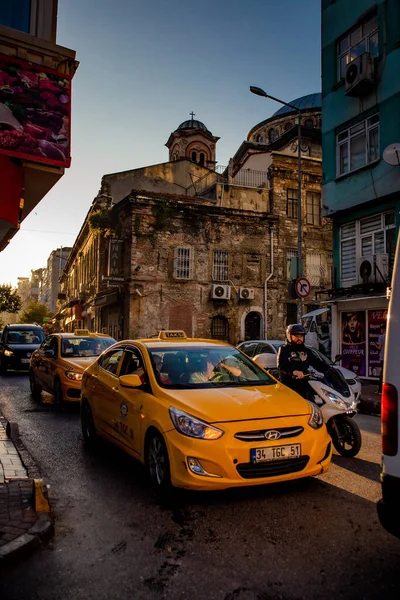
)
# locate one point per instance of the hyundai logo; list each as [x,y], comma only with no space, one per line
[272,435]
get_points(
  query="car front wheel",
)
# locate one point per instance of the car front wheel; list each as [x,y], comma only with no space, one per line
[157,462]
[87,423]
[36,390]
[58,393]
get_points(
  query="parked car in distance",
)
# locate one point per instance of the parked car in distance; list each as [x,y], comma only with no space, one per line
[57,366]
[264,353]
[200,415]
[17,343]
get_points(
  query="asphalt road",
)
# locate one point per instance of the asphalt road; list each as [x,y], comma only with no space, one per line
[314,538]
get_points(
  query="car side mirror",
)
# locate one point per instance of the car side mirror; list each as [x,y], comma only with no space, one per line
[338,358]
[130,381]
[49,353]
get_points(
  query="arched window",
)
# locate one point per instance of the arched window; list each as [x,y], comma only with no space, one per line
[259,139]
[309,123]
[202,159]
[219,328]
[288,125]
[194,156]
[271,135]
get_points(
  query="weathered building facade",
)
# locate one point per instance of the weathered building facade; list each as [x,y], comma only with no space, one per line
[181,245]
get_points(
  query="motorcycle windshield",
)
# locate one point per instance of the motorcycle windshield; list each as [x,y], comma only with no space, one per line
[335,380]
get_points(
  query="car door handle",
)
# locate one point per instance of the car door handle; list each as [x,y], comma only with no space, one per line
[115,389]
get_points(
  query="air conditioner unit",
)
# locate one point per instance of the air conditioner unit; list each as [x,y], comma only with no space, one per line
[373,268]
[360,75]
[220,291]
[246,293]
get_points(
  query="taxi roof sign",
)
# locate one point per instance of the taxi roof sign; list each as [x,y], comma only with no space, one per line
[172,335]
[81,332]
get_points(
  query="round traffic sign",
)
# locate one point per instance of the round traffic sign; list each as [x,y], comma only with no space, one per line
[303,287]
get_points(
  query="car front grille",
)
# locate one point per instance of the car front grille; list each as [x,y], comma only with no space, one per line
[256,436]
[272,468]
[73,393]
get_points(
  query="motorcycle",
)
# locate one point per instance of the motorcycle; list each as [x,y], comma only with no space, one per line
[331,393]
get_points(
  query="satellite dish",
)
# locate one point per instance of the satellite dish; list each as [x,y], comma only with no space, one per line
[391,155]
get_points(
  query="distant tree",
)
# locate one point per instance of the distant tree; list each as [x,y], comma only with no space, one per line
[35,313]
[9,299]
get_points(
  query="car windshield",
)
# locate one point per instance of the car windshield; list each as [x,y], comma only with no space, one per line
[75,346]
[25,336]
[205,367]
[277,345]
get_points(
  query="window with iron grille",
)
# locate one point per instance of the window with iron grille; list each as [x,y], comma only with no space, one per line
[313,208]
[291,204]
[183,262]
[290,254]
[219,328]
[220,265]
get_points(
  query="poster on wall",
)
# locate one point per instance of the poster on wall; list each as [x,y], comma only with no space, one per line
[35,111]
[354,342]
[376,318]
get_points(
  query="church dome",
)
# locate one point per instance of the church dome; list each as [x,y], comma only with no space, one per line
[193,124]
[312,101]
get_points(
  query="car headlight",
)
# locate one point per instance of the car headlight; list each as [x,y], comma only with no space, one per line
[316,419]
[8,353]
[74,376]
[192,427]
[336,400]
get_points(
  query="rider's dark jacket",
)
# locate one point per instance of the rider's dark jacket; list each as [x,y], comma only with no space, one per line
[297,357]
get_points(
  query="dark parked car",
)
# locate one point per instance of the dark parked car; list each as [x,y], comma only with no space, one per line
[17,342]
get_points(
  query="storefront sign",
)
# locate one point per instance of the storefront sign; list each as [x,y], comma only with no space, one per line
[35,110]
[354,342]
[115,260]
[376,318]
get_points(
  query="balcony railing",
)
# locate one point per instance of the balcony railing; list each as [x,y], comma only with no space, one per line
[245,177]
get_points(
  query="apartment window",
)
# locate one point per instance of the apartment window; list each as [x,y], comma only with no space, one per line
[290,254]
[366,237]
[358,146]
[220,265]
[313,208]
[363,38]
[291,204]
[183,263]
[16,14]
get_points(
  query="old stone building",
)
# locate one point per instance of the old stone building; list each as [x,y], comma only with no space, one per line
[185,244]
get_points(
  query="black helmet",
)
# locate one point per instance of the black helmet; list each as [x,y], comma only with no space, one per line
[295,329]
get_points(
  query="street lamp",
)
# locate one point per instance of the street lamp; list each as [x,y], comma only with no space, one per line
[260,92]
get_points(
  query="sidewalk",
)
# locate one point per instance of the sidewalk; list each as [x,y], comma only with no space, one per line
[24,510]
[370,402]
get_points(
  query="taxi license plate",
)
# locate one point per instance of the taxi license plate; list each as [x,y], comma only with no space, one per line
[25,360]
[275,453]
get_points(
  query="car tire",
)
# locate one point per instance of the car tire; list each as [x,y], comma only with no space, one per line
[87,424]
[57,392]
[158,465]
[36,390]
[3,368]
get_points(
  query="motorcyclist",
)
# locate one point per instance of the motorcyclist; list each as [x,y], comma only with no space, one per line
[294,360]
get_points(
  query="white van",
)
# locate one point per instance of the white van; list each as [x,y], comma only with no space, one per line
[389,505]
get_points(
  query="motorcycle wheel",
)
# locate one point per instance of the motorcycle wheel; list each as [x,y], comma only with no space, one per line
[346,436]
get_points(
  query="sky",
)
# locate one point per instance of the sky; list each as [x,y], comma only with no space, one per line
[144,66]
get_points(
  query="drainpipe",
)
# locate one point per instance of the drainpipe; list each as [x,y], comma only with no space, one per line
[271,233]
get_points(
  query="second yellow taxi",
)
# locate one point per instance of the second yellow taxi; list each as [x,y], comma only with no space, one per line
[58,364]
[201,415]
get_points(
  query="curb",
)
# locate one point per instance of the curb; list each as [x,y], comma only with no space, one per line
[43,529]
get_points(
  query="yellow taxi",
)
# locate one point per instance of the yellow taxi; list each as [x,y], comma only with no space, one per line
[201,415]
[58,364]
